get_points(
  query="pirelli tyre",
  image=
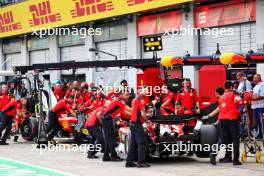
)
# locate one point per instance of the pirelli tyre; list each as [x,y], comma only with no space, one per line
[208,137]
[29,128]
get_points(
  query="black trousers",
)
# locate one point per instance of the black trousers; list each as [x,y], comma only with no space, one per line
[228,154]
[97,138]
[5,124]
[53,125]
[138,144]
[109,137]
[230,129]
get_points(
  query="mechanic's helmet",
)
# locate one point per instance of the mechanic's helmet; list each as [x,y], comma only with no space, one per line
[58,82]
[84,85]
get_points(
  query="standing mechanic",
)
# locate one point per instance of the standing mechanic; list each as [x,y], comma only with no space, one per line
[116,106]
[229,120]
[60,108]
[228,154]
[138,142]
[187,98]
[8,113]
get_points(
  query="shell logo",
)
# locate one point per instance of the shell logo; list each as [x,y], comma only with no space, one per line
[223,105]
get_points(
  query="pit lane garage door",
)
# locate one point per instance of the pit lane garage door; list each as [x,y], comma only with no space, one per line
[73,53]
[242,40]
[111,76]
[40,56]
[172,46]
[12,59]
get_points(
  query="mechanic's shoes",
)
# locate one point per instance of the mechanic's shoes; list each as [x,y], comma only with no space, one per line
[16,138]
[53,142]
[3,143]
[142,165]
[237,163]
[117,159]
[92,156]
[212,159]
[131,164]
[225,160]
[106,158]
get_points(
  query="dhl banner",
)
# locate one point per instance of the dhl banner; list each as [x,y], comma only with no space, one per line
[35,15]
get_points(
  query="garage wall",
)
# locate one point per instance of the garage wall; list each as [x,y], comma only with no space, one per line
[243,40]
[172,45]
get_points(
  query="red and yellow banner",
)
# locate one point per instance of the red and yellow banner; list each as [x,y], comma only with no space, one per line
[230,12]
[157,24]
[34,15]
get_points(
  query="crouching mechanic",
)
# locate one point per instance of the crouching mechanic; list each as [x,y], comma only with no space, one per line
[116,106]
[9,112]
[92,123]
[60,108]
[138,141]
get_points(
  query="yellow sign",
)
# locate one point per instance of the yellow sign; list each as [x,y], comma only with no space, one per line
[34,15]
[150,44]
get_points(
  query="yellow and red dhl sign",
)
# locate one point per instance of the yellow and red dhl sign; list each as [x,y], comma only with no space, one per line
[34,15]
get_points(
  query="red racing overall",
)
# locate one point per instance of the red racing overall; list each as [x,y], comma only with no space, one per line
[92,123]
[53,124]
[114,108]
[7,115]
[229,121]
[138,143]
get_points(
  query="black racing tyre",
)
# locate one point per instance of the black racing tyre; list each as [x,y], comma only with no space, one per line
[208,137]
[29,128]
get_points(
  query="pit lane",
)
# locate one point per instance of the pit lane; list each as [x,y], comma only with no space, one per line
[76,163]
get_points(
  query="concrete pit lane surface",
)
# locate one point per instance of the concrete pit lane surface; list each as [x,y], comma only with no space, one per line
[23,159]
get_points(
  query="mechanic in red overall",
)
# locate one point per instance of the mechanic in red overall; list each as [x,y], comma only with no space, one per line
[60,108]
[85,91]
[58,92]
[116,106]
[9,112]
[229,120]
[167,106]
[93,124]
[187,99]
[5,96]
[75,93]
[138,141]
[87,107]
